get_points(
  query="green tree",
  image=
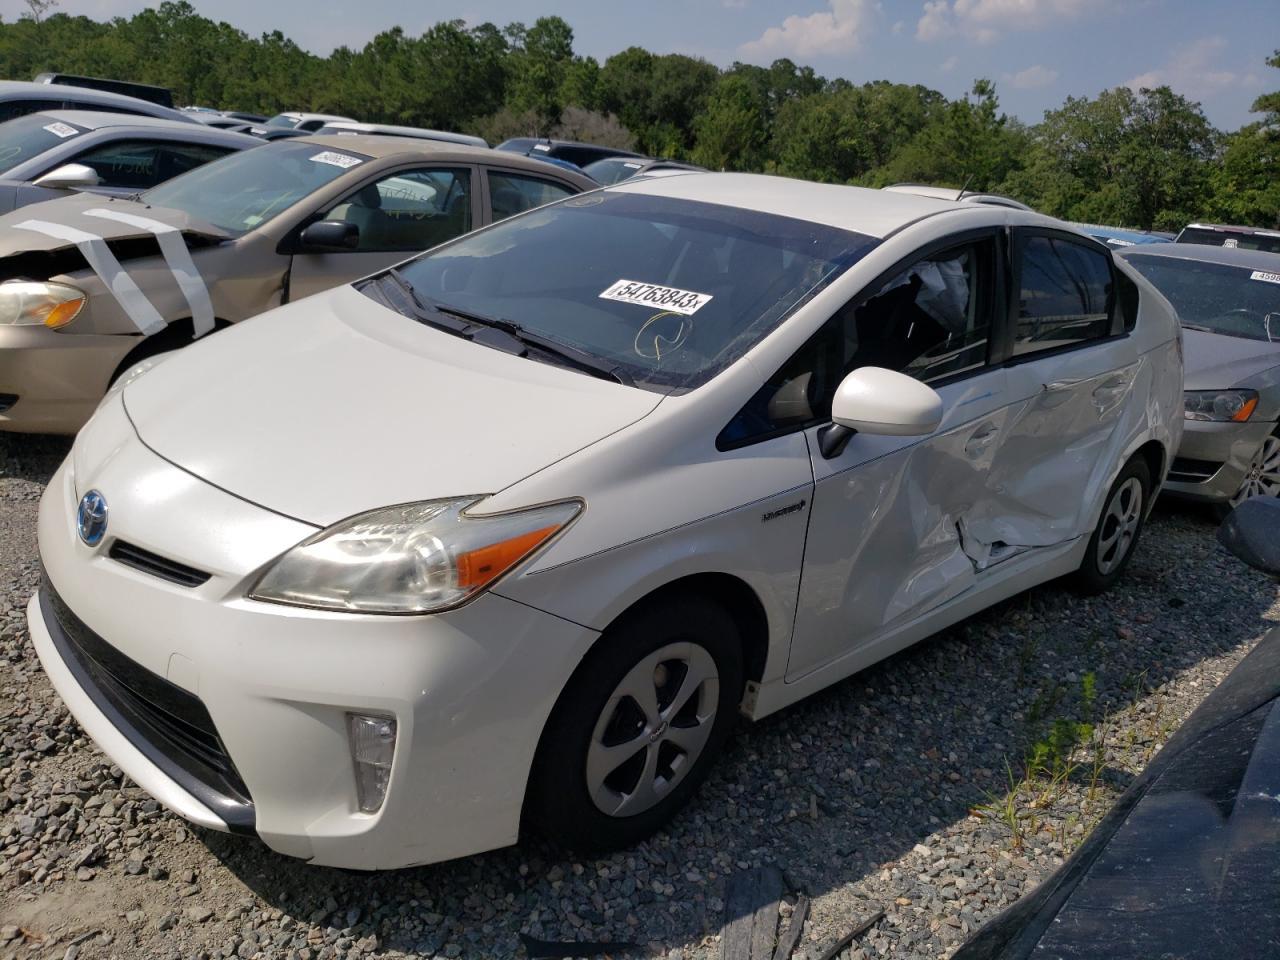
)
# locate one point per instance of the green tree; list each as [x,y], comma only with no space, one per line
[731,130]
[539,64]
[1246,183]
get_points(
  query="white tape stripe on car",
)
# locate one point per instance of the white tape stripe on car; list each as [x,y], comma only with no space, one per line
[104,263]
[178,257]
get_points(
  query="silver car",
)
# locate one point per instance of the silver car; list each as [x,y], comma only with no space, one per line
[45,155]
[1229,302]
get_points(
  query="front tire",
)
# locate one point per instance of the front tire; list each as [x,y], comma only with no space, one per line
[638,726]
[1116,536]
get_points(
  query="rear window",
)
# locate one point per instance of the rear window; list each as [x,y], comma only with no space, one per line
[23,138]
[243,191]
[1217,297]
[671,291]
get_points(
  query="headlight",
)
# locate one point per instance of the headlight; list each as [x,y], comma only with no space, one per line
[1221,405]
[27,303]
[414,558]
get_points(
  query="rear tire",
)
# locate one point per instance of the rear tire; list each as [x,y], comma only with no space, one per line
[638,726]
[1119,527]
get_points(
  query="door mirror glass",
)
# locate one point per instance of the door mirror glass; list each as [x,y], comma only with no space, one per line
[329,235]
[1252,532]
[887,403]
[69,176]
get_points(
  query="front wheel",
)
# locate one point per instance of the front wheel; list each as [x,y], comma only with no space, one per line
[638,725]
[1263,478]
[1116,535]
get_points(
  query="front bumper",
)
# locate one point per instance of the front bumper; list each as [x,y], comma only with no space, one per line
[57,377]
[470,690]
[1213,458]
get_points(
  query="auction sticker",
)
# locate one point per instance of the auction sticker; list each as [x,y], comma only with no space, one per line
[336,159]
[1265,277]
[61,130]
[684,302]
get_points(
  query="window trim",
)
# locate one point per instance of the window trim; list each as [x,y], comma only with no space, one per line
[999,309]
[1017,241]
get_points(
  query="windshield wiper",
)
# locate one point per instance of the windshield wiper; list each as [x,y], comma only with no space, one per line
[462,322]
[1198,326]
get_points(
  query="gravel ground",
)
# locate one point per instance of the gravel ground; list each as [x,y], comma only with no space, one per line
[888,791]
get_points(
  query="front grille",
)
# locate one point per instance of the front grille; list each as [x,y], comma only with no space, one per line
[156,565]
[170,726]
[7,400]
[1186,470]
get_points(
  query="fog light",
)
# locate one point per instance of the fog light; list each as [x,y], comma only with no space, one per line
[373,743]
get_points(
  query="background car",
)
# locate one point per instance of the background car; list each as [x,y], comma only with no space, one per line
[309,122]
[1184,859]
[1222,235]
[611,170]
[348,127]
[18,97]
[162,96]
[1118,237]
[43,155]
[260,228]
[572,151]
[958,195]
[1229,303]
[749,436]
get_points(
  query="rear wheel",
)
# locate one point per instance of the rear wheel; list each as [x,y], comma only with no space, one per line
[1116,535]
[638,726]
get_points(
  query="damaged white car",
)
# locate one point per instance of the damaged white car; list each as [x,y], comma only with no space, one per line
[513,533]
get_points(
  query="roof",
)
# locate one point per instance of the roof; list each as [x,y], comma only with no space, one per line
[435,151]
[390,130]
[26,89]
[957,194]
[1230,228]
[98,119]
[876,213]
[1208,253]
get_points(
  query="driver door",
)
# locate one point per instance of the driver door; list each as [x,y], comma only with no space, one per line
[397,215]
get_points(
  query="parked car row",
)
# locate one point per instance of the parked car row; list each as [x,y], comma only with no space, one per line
[514,490]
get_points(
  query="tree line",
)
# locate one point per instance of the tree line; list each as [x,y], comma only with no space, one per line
[1148,159]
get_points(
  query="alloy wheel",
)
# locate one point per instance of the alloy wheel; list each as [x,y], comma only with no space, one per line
[1263,478]
[652,729]
[1120,522]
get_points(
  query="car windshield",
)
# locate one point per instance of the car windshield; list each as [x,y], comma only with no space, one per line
[1268,242]
[669,291]
[1236,301]
[612,170]
[243,191]
[282,120]
[25,137]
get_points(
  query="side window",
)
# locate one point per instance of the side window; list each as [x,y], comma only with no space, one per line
[127,163]
[176,158]
[1065,296]
[929,321]
[408,211]
[20,108]
[510,194]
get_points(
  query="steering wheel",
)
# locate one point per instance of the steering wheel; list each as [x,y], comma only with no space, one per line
[1242,319]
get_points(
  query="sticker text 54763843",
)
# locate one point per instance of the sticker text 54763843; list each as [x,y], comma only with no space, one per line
[685,302]
[1265,277]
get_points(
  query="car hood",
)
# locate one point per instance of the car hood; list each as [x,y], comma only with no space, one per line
[69,211]
[1214,361]
[335,405]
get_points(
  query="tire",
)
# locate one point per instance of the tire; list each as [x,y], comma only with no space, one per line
[1119,528]
[608,773]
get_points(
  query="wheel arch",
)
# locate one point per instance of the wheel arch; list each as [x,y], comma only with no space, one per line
[176,334]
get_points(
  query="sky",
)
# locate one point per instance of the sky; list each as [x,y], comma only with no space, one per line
[1038,52]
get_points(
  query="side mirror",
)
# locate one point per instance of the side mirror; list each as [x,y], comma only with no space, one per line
[70,176]
[880,402]
[1252,532]
[329,235]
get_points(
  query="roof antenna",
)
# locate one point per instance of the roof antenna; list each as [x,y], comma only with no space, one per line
[964,189]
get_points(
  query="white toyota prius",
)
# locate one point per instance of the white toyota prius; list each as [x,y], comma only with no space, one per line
[513,533]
